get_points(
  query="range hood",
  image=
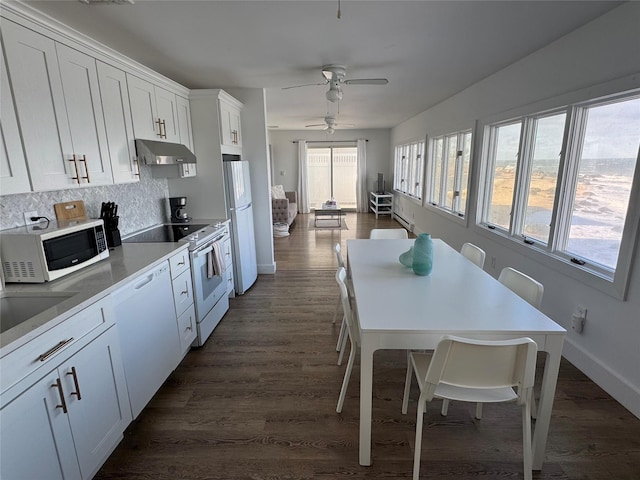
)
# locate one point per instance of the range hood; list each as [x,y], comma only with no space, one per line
[152,152]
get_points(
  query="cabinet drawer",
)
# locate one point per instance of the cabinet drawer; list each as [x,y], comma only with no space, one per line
[57,342]
[182,292]
[187,328]
[179,263]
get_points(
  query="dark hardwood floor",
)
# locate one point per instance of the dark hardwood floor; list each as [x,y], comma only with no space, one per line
[257,402]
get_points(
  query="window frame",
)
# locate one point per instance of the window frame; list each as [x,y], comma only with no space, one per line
[440,145]
[408,169]
[553,253]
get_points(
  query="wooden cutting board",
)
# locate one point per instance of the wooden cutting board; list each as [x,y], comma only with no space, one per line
[68,211]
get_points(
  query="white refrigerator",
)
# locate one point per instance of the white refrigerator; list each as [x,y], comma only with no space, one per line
[238,195]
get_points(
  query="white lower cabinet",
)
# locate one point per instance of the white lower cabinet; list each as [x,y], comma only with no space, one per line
[183,300]
[66,424]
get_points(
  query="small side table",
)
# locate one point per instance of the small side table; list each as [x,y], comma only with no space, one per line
[333,212]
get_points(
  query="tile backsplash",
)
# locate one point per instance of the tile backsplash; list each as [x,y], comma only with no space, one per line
[140,204]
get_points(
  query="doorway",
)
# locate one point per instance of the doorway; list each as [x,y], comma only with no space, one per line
[333,173]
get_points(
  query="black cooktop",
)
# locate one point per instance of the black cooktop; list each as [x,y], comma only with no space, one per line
[163,233]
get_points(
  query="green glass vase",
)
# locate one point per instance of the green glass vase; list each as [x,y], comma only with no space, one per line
[422,255]
[406,258]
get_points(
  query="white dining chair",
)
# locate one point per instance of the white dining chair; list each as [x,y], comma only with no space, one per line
[526,287]
[342,338]
[351,321]
[475,371]
[529,290]
[388,233]
[473,253]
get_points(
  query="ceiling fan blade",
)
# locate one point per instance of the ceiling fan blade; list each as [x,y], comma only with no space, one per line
[317,125]
[344,125]
[305,85]
[367,81]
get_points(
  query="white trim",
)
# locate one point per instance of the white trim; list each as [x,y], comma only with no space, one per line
[619,388]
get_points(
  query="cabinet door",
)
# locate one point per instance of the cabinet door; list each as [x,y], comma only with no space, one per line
[235,126]
[86,120]
[35,439]
[184,122]
[118,123]
[14,177]
[95,388]
[226,136]
[142,99]
[39,100]
[168,114]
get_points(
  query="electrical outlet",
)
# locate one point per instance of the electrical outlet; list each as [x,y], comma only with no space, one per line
[578,318]
[28,215]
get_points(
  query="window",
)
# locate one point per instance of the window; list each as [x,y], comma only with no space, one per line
[562,180]
[409,169]
[448,172]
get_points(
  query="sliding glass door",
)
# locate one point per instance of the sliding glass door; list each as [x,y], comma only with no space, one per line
[333,173]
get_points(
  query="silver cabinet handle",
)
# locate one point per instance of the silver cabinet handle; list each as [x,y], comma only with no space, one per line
[63,404]
[54,349]
[75,382]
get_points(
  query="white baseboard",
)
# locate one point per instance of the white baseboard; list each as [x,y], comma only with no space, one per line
[267,268]
[626,394]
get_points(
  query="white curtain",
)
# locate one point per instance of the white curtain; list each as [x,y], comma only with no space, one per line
[362,193]
[303,178]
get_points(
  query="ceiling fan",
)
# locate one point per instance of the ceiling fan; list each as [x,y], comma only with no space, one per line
[334,77]
[330,124]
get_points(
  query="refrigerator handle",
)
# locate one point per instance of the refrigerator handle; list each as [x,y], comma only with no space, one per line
[244,207]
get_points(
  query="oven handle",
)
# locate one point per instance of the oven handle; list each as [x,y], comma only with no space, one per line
[207,248]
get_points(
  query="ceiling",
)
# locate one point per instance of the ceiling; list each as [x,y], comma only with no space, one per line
[429,50]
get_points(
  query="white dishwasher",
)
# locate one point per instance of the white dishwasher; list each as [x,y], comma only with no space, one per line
[149,339]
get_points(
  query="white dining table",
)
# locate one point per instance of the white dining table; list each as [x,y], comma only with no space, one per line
[400,310]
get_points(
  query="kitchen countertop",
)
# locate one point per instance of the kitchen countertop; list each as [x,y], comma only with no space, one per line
[89,284]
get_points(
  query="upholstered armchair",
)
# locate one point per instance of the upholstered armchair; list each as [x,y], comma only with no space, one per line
[284,210]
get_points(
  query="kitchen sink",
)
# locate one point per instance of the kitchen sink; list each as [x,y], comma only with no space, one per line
[16,308]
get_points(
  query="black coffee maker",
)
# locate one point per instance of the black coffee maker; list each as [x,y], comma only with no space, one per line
[177,206]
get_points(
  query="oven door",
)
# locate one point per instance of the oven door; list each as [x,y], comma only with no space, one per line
[207,291]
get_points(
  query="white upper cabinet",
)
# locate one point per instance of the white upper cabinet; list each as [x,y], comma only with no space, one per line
[142,99]
[118,123]
[186,138]
[167,114]
[154,111]
[86,120]
[184,122]
[58,106]
[14,177]
[37,88]
[230,124]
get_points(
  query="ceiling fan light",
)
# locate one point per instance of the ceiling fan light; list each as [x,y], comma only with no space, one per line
[334,95]
[330,130]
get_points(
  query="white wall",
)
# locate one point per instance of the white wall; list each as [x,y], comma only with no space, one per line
[600,56]
[285,153]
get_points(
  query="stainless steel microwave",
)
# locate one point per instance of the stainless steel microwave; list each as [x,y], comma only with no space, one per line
[43,252]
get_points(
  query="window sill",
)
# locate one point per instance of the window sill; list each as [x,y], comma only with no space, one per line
[448,214]
[609,284]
